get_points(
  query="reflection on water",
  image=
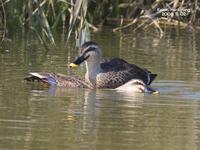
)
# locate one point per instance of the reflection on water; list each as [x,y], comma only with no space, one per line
[35,117]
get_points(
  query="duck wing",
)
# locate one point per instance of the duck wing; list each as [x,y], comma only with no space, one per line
[141,73]
[56,79]
[113,64]
[117,72]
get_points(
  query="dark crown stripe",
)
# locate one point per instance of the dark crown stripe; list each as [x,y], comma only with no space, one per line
[86,44]
[89,49]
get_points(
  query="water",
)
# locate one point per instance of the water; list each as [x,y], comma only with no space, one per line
[35,117]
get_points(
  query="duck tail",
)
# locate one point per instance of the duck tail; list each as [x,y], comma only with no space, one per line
[152,77]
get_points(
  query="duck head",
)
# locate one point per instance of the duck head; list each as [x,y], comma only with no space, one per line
[90,53]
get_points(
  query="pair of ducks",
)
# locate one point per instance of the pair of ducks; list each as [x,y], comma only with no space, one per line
[101,73]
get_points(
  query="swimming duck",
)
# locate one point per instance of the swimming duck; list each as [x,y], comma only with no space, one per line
[111,73]
[57,79]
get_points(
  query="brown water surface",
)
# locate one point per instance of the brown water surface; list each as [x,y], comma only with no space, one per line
[33,117]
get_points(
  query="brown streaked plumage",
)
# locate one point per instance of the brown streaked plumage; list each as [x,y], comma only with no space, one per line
[109,73]
[57,79]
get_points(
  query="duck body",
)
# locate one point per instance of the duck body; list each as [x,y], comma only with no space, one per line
[116,72]
[56,79]
[109,73]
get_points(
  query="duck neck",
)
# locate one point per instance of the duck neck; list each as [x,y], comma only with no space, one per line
[93,69]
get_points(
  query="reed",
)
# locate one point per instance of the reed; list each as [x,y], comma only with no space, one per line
[43,17]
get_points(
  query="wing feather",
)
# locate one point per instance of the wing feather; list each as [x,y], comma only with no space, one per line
[117,72]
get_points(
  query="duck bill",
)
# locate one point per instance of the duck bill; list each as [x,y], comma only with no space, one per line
[73,65]
[77,62]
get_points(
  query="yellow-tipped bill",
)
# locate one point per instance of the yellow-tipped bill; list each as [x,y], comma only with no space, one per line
[72,65]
